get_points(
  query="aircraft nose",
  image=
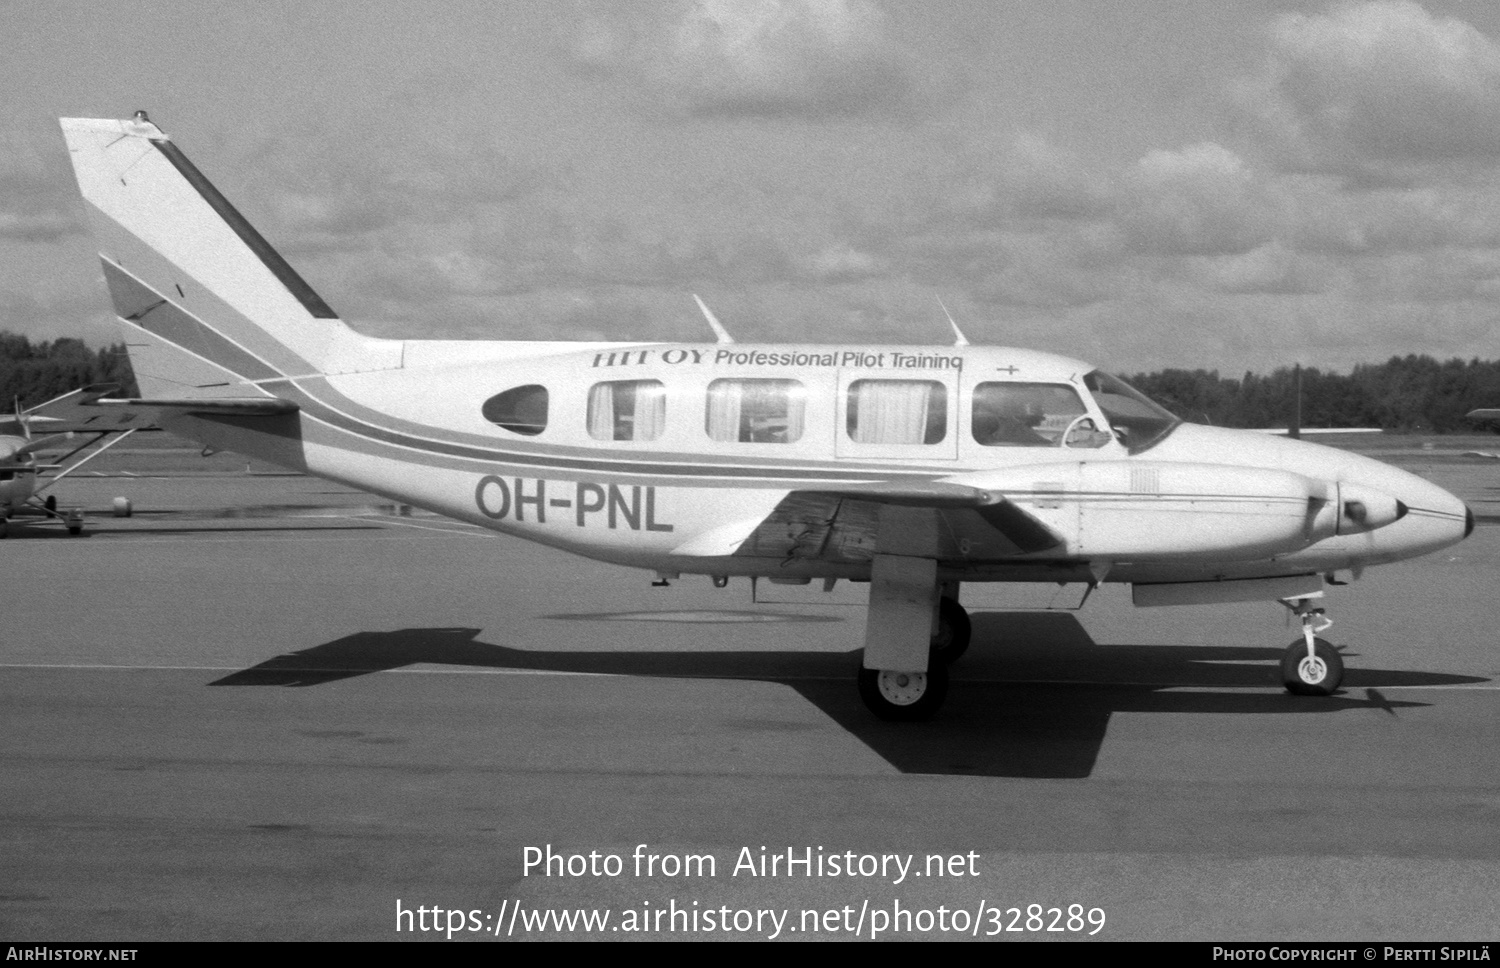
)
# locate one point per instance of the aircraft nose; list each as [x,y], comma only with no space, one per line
[1435,518]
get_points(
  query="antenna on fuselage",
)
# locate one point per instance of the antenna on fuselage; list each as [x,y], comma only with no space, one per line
[713,321]
[1294,426]
[959,338]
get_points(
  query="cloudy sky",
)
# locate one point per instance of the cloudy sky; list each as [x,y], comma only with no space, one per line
[1143,184]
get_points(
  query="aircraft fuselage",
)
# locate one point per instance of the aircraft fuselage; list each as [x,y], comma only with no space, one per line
[733,459]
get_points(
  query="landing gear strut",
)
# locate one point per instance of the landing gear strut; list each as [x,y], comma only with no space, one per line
[951,638]
[1311,666]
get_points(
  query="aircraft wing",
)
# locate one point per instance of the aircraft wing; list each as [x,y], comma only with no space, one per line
[87,409]
[45,416]
[75,411]
[1017,526]
[31,447]
[1484,413]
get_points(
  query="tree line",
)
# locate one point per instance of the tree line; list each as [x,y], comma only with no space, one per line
[34,373]
[1405,393]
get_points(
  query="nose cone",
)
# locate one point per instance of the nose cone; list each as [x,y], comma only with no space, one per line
[1396,514]
[1435,518]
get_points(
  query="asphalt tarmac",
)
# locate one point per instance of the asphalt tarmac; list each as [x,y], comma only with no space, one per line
[265,707]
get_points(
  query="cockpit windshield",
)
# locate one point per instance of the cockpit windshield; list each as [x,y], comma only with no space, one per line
[1137,420]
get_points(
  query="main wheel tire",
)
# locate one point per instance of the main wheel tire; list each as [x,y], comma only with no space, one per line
[904,696]
[953,634]
[1316,675]
[50,504]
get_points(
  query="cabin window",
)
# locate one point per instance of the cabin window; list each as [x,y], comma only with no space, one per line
[627,410]
[1137,420]
[1032,415]
[756,411]
[521,410]
[897,412]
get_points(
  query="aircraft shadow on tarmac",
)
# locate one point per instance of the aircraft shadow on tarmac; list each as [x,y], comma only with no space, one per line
[1032,698]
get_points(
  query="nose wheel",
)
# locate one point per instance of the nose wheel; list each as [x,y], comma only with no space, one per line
[1311,666]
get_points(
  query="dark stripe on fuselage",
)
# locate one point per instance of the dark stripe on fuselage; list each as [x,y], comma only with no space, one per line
[184,330]
[315,408]
[272,259]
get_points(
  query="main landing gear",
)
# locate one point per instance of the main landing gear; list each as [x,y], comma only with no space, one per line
[951,638]
[914,629]
[1311,666]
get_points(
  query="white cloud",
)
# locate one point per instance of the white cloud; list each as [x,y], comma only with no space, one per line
[38,199]
[757,58]
[1039,180]
[1201,200]
[1269,269]
[1372,82]
[838,263]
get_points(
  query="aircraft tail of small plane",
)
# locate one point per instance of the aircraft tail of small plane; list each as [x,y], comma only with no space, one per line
[212,311]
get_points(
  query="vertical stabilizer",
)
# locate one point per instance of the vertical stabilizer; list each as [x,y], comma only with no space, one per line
[209,298]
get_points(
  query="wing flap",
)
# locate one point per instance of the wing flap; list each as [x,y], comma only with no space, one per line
[1027,534]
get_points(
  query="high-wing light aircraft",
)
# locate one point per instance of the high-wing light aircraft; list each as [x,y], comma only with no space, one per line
[21,482]
[19,467]
[913,469]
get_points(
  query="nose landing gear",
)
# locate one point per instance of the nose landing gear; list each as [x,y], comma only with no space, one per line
[1311,666]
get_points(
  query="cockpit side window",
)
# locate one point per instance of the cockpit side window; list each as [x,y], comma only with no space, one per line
[521,410]
[756,411]
[897,412]
[627,410]
[1032,415]
[1137,420]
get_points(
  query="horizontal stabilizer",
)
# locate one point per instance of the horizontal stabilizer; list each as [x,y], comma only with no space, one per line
[219,406]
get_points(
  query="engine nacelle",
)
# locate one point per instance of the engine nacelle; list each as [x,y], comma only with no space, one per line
[1364,509]
[1146,510]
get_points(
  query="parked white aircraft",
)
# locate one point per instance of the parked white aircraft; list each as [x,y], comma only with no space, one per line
[914,469]
[18,465]
[21,480]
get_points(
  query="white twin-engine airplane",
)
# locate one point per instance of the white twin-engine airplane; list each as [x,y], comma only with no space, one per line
[913,469]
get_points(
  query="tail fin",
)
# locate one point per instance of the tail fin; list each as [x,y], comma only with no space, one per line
[208,305]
